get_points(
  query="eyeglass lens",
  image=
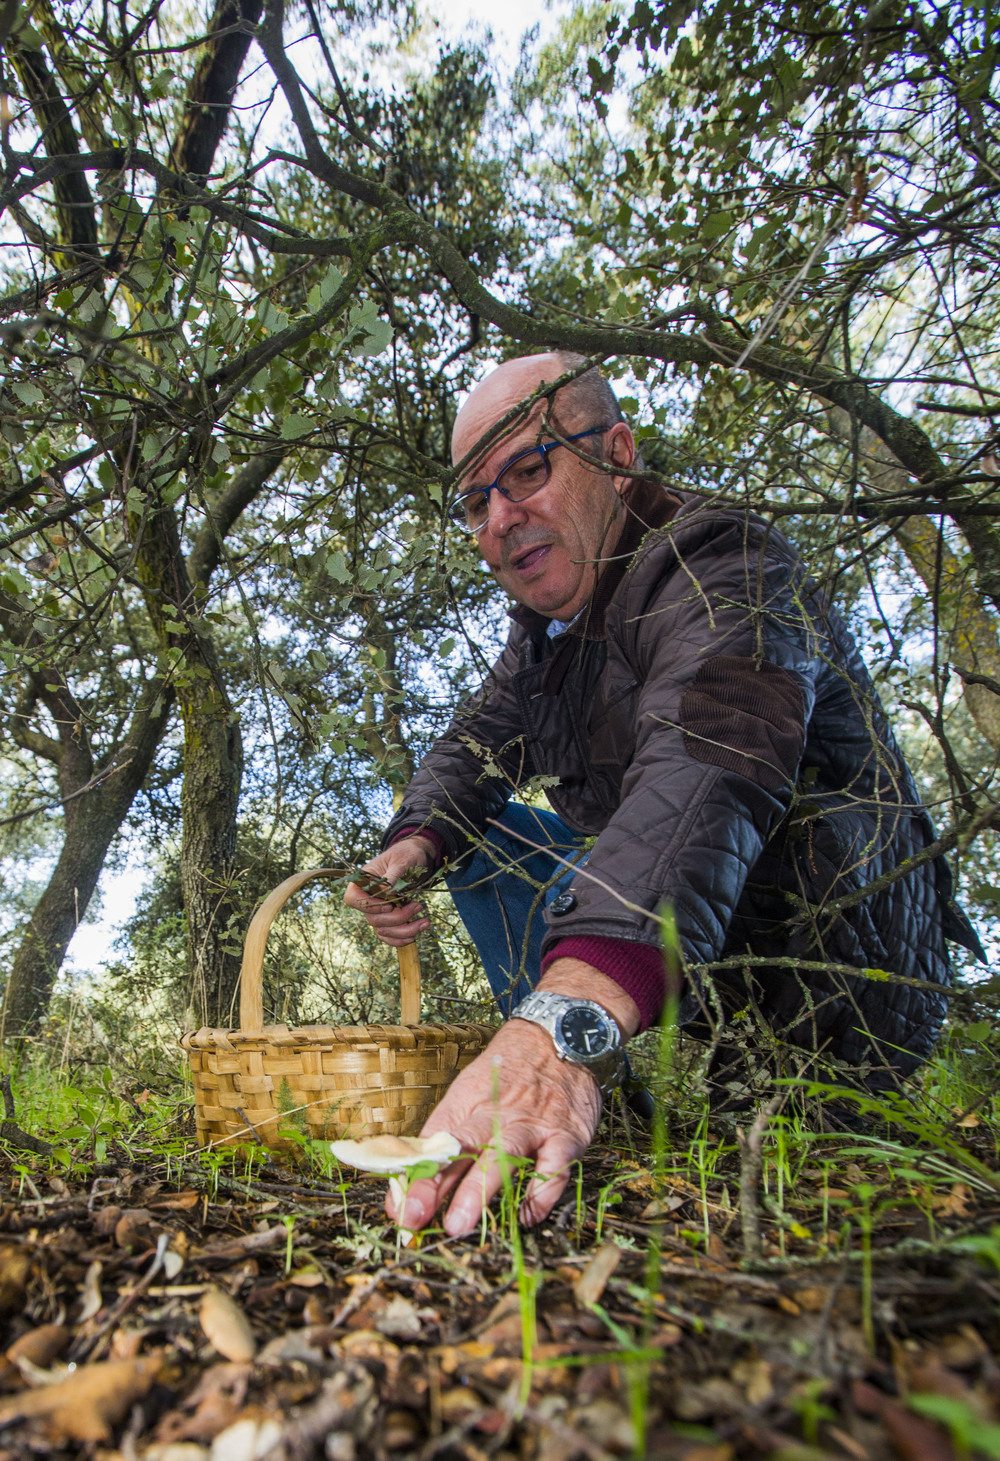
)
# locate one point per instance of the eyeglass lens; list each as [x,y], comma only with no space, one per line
[525,475]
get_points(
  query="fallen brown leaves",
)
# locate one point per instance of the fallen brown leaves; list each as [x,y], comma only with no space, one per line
[312,1339]
[84,1405]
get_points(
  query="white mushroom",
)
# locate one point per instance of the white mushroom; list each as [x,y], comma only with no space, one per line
[390,1154]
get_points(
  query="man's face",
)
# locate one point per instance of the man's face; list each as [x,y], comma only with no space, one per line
[546,550]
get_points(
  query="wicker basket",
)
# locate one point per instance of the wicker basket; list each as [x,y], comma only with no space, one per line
[328,1082]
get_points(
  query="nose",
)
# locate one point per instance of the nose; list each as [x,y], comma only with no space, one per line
[504,514]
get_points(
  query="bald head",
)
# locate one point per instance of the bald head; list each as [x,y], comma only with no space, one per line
[545,545]
[588,395]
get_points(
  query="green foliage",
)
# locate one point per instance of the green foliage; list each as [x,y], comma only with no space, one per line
[226,414]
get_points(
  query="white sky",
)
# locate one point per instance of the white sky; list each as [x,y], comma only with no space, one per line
[507,21]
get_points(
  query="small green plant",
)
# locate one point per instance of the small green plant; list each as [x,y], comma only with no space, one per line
[214,1158]
[969,1433]
[864,1192]
[807,1402]
[607,1197]
[288,1220]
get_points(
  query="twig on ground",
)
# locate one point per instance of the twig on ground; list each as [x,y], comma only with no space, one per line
[750,1141]
[92,1346]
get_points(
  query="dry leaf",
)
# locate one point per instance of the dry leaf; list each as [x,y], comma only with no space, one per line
[92,1298]
[396,1153]
[954,1203]
[400,1319]
[401,1431]
[813,1298]
[41,1346]
[176,1201]
[248,1439]
[708,1399]
[176,1451]
[307,1278]
[213,1405]
[962,1350]
[307,1346]
[459,1405]
[125,1343]
[107,1220]
[137,1230]
[607,1423]
[226,1326]
[717,1251]
[661,1206]
[227,1250]
[36,1377]
[914,1438]
[14,1264]
[172,1264]
[452,1356]
[86,1404]
[593,1280]
[315,1312]
[754,1375]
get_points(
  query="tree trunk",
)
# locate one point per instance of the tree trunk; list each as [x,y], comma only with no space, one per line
[213,764]
[213,756]
[213,774]
[94,814]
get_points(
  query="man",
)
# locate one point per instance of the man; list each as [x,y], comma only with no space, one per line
[695,704]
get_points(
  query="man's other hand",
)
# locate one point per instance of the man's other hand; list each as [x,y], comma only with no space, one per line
[394,925]
[520,1098]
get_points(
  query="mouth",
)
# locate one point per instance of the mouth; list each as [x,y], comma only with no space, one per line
[530,557]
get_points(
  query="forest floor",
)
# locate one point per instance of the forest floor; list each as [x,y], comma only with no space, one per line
[193,1309]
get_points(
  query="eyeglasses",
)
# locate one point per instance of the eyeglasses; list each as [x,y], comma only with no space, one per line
[521,478]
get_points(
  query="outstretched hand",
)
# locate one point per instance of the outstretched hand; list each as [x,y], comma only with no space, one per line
[396,925]
[517,1098]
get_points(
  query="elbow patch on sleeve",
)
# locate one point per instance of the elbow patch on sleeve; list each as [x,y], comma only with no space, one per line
[747,716]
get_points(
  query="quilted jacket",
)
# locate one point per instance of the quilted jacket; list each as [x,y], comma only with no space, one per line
[710,721]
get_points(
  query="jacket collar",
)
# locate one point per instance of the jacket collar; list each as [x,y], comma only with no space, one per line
[648,505]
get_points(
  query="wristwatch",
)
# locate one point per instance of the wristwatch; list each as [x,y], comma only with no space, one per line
[582,1032]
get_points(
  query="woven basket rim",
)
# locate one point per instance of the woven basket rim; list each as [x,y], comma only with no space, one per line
[408,1033]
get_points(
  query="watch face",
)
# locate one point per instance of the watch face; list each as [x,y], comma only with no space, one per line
[585,1033]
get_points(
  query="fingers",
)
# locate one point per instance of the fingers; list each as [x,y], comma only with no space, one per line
[422,1199]
[393,925]
[396,926]
[476,1183]
[551,1175]
[515,1100]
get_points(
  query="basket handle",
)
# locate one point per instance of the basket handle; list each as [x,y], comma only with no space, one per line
[252,968]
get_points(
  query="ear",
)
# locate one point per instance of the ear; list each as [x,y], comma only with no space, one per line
[621,452]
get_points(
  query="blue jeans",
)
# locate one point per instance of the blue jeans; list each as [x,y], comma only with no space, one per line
[501,889]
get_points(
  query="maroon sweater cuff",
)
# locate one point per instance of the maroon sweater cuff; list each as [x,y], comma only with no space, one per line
[431,836]
[636,968]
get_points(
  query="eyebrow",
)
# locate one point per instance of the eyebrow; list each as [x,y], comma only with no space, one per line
[505,462]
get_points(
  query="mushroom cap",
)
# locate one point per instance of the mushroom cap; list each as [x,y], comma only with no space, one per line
[396,1153]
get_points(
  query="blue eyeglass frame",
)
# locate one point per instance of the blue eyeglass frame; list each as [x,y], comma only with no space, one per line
[456,511]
